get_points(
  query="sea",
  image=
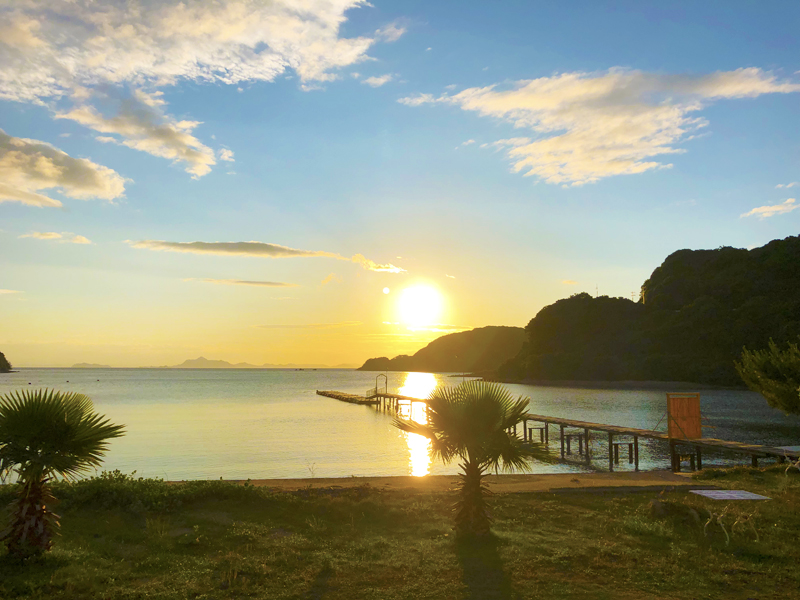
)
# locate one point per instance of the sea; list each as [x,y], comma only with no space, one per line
[238,424]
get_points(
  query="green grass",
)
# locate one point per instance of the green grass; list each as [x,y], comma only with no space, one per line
[133,538]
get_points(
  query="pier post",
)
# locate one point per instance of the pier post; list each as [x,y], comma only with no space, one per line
[562,441]
[525,430]
[636,452]
[674,459]
[588,456]
[546,433]
[610,451]
[699,458]
[754,461]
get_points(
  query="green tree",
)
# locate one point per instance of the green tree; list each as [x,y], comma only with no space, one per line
[5,366]
[45,434]
[470,423]
[775,374]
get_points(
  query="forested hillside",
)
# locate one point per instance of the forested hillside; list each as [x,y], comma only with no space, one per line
[479,350]
[697,310]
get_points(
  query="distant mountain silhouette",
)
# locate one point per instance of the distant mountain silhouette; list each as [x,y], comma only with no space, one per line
[90,366]
[478,350]
[697,310]
[204,363]
[5,366]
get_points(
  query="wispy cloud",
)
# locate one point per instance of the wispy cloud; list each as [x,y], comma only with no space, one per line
[82,51]
[65,236]
[569,282]
[10,292]
[29,166]
[786,185]
[141,125]
[226,155]
[391,32]
[331,278]
[259,249]
[269,284]
[313,325]
[762,212]
[588,126]
[467,143]
[450,276]
[378,81]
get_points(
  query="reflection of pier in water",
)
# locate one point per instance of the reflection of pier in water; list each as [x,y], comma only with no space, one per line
[571,433]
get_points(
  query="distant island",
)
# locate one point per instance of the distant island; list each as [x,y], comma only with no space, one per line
[90,366]
[696,312]
[480,350]
[205,363]
[5,366]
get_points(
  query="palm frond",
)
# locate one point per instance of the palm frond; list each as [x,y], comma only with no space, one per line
[46,432]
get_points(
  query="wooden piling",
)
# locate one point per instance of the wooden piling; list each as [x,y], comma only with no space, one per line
[636,452]
[562,441]
[586,438]
[610,451]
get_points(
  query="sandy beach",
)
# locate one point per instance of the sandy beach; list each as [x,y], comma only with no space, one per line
[502,484]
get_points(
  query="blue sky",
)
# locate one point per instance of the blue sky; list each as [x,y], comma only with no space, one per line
[504,154]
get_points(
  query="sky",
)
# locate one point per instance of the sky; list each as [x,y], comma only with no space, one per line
[325,181]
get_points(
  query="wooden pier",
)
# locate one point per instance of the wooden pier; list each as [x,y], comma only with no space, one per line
[680,448]
[578,435]
[345,397]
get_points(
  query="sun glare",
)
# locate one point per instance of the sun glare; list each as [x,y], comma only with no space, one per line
[420,305]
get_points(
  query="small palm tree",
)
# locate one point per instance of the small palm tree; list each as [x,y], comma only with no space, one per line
[45,434]
[471,422]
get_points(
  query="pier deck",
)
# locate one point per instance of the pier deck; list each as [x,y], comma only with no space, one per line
[755,451]
[569,429]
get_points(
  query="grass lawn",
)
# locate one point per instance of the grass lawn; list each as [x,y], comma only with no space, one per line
[132,538]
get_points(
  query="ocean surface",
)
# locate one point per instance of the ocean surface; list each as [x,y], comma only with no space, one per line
[270,423]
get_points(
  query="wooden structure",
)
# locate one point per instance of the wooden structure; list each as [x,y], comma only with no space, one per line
[695,446]
[683,416]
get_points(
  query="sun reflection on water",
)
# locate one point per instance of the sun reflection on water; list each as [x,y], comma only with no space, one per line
[417,385]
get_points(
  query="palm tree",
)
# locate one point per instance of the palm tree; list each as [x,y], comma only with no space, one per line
[471,422]
[45,434]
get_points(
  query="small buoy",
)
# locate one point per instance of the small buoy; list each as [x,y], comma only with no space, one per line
[67,380]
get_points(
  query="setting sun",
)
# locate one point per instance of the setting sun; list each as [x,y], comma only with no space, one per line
[420,305]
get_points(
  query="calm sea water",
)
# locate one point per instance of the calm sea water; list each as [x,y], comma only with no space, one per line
[239,424]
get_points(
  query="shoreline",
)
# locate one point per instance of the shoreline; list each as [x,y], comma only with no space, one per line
[498,484]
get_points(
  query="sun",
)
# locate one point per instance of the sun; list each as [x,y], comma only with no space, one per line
[420,305]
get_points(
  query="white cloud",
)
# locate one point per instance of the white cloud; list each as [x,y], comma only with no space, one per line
[569,282]
[762,212]
[80,50]
[391,32]
[467,143]
[29,166]
[226,155]
[271,284]
[10,292]
[66,236]
[140,124]
[378,81]
[258,249]
[42,235]
[591,126]
[786,185]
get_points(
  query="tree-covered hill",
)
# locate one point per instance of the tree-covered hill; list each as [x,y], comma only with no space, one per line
[5,366]
[479,350]
[697,310]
